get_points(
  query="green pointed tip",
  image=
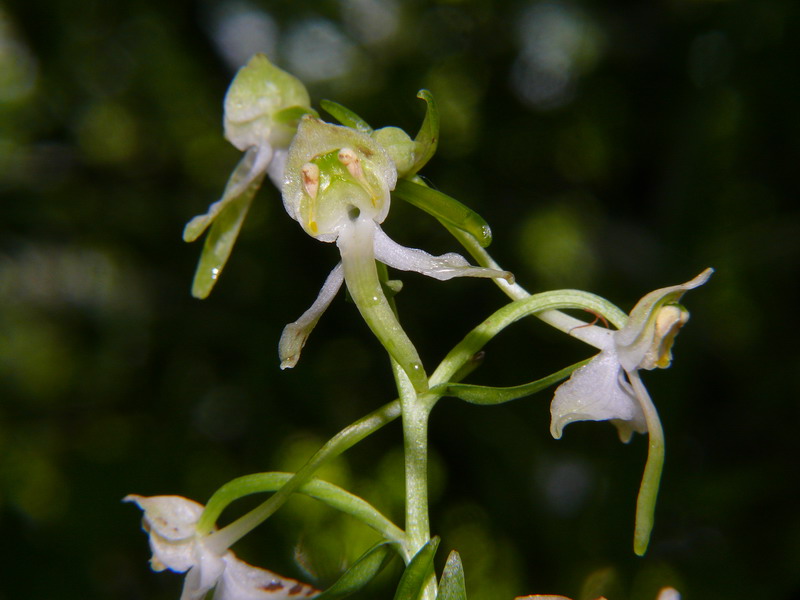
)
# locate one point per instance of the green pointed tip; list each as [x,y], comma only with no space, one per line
[202,286]
[195,228]
[452,585]
[648,493]
[640,545]
[345,116]
[427,139]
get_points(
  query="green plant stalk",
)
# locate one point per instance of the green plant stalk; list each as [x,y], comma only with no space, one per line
[356,244]
[342,441]
[553,317]
[325,492]
[415,442]
[415,410]
[529,305]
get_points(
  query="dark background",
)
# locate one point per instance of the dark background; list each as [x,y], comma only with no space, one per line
[613,146]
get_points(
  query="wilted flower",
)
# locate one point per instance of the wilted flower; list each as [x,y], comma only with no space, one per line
[171,521]
[337,185]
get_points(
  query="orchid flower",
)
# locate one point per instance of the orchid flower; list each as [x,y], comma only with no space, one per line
[337,185]
[171,522]
[262,107]
[609,388]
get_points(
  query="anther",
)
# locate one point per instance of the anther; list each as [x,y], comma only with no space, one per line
[350,160]
[311,179]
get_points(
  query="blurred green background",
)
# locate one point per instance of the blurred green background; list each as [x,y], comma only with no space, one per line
[613,146]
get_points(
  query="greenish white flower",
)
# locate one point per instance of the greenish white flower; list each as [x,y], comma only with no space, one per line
[262,107]
[602,390]
[337,185]
[171,522]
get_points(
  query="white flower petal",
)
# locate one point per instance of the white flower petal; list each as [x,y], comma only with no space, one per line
[171,517]
[597,392]
[170,522]
[204,575]
[295,334]
[277,166]
[242,581]
[636,341]
[442,267]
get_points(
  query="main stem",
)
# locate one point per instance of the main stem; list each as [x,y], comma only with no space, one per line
[415,435]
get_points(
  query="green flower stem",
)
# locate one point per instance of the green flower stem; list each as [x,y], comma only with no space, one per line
[345,439]
[489,396]
[508,314]
[325,492]
[648,491]
[553,316]
[415,437]
[356,243]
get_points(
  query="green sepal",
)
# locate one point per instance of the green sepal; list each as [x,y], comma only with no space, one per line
[345,116]
[445,208]
[488,395]
[452,586]
[293,114]
[416,575]
[220,240]
[360,573]
[427,139]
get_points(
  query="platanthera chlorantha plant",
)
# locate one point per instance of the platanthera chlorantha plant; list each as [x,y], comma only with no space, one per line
[338,181]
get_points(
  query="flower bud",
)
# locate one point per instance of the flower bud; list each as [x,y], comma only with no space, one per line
[399,145]
[257,94]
